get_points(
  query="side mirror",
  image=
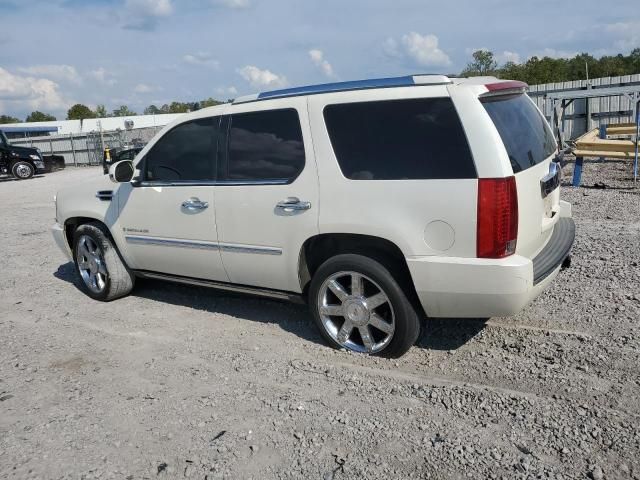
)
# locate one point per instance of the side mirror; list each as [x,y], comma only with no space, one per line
[121,172]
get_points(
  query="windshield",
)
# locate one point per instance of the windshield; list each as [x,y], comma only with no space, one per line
[524,131]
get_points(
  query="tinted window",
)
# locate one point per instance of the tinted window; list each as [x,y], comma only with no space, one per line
[265,146]
[524,132]
[186,153]
[399,139]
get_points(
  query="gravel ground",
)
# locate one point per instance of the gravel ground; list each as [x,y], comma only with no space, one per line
[175,381]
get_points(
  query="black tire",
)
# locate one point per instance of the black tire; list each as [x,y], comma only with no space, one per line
[119,279]
[407,322]
[22,170]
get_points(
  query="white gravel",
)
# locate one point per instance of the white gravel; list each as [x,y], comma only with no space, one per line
[176,382]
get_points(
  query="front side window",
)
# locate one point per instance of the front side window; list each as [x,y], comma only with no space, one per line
[184,154]
[264,146]
[408,139]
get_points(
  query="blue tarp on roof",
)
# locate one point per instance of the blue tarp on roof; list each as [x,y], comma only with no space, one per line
[6,128]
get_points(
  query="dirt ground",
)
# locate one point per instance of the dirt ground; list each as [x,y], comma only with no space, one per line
[184,382]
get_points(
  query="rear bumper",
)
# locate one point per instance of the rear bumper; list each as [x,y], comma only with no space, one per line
[479,288]
[555,251]
[58,235]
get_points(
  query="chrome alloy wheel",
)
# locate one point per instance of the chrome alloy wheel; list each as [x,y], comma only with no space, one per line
[93,269]
[23,171]
[356,312]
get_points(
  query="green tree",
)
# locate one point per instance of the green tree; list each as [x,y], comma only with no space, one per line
[179,107]
[483,64]
[8,119]
[80,112]
[209,102]
[123,111]
[152,110]
[101,111]
[550,70]
[38,116]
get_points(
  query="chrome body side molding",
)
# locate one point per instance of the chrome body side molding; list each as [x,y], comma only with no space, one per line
[169,242]
[230,247]
[183,243]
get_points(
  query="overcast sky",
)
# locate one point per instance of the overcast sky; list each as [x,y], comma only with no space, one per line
[54,53]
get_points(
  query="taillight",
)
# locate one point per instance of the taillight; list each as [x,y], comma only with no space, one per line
[497,217]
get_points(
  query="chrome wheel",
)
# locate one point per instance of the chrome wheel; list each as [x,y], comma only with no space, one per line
[91,265]
[356,312]
[23,171]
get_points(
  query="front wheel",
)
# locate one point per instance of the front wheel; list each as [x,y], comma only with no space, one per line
[357,304]
[22,170]
[98,264]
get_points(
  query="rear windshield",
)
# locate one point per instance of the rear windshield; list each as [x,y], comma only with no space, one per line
[524,131]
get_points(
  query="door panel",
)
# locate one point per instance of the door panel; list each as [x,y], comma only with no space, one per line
[267,194]
[162,235]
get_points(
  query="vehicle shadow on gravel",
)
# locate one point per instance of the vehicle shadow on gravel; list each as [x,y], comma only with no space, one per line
[291,317]
[449,333]
[437,333]
[12,179]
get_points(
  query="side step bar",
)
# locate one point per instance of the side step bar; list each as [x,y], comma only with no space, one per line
[262,292]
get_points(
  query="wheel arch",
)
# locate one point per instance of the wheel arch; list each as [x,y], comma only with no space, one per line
[319,248]
[72,223]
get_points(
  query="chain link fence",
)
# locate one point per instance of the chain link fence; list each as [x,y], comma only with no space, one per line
[81,149]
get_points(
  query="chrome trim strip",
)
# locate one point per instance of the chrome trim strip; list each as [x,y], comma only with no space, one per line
[228,247]
[212,183]
[225,247]
[168,242]
[293,297]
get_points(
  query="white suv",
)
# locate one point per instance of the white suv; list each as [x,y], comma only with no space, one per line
[378,202]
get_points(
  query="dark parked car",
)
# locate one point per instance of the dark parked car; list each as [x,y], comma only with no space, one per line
[112,155]
[20,162]
[53,163]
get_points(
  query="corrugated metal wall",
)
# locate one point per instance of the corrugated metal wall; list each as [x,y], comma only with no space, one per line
[604,110]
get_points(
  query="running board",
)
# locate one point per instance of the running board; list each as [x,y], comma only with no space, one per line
[262,292]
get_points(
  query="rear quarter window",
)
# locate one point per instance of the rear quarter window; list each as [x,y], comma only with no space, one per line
[524,131]
[399,140]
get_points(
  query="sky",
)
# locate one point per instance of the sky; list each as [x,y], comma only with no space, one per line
[54,53]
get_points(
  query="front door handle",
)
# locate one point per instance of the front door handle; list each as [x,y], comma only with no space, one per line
[292,204]
[194,203]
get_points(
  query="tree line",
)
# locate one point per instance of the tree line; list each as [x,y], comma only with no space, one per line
[548,70]
[534,71]
[80,111]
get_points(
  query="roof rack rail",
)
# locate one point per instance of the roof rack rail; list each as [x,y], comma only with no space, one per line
[407,81]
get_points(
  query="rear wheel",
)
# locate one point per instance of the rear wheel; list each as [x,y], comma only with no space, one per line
[98,264]
[357,304]
[22,170]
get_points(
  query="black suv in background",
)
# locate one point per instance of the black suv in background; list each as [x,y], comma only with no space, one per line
[20,162]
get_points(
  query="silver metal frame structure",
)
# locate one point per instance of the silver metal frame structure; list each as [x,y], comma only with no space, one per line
[561,100]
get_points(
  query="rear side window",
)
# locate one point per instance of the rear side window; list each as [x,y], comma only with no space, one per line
[399,139]
[524,131]
[184,154]
[264,146]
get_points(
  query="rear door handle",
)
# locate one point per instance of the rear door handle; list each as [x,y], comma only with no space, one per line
[194,203]
[293,204]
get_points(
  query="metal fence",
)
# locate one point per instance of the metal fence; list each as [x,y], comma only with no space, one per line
[87,148]
[586,114]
